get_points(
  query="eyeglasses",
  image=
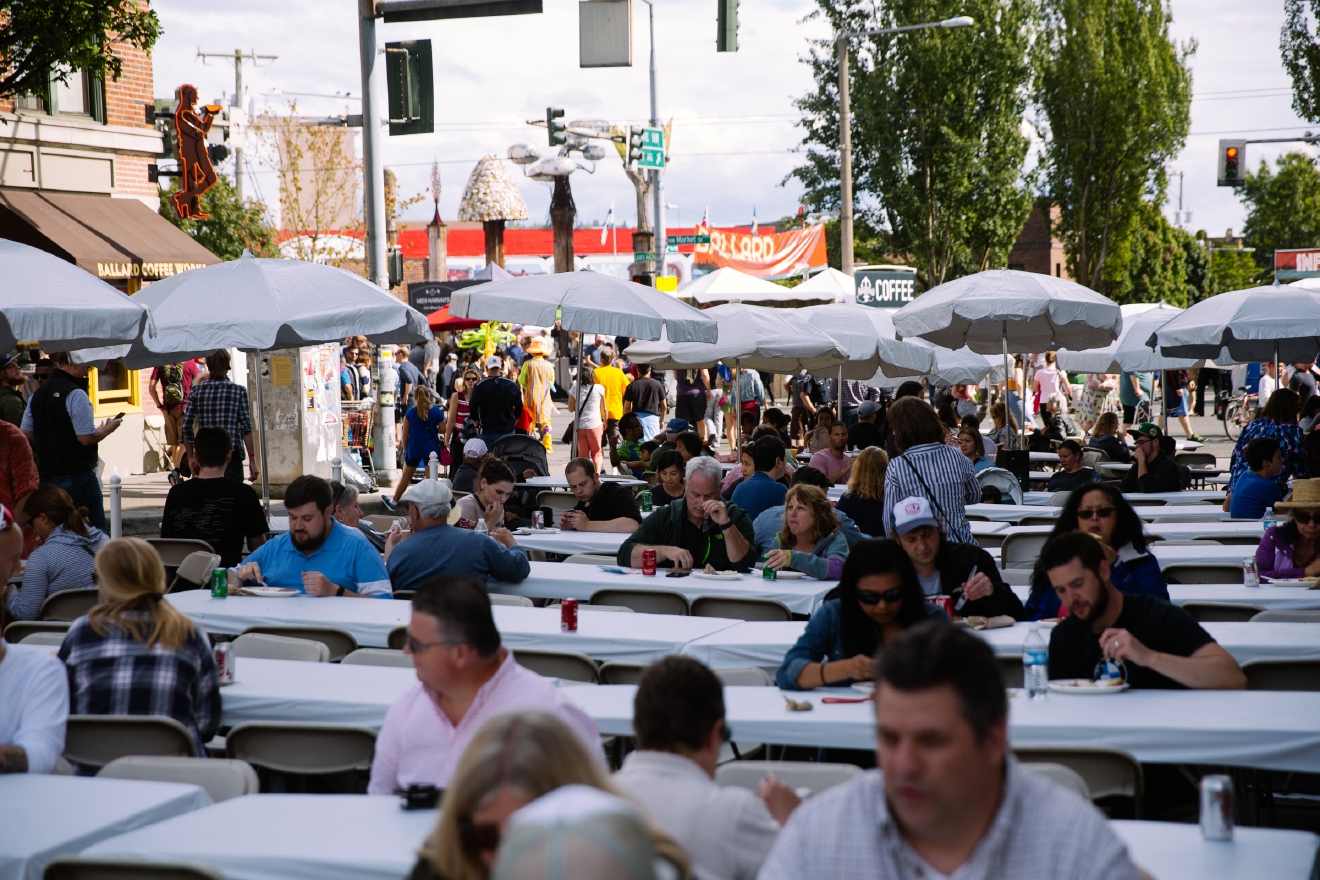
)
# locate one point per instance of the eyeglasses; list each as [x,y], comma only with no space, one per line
[418,647]
[871,597]
[478,838]
[1096,513]
[1301,516]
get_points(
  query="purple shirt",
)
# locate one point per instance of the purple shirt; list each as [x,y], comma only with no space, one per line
[1274,557]
[827,463]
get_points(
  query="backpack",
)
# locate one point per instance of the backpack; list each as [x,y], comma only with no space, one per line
[171,380]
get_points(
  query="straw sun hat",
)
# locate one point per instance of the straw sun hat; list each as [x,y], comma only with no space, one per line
[1306,496]
[538,345]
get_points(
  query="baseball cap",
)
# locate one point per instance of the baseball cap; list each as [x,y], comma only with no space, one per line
[6,360]
[428,492]
[868,409]
[913,513]
[677,426]
[1147,429]
[474,448]
[452,357]
[494,363]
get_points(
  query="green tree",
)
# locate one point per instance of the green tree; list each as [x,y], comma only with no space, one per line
[1114,94]
[1233,270]
[1301,56]
[233,225]
[60,36]
[1164,263]
[1283,208]
[938,146]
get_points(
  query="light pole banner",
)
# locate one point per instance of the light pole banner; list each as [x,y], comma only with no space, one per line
[777,255]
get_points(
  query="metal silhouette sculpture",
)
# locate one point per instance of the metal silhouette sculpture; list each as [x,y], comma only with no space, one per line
[196,174]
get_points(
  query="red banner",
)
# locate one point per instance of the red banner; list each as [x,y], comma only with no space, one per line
[777,255]
[1291,265]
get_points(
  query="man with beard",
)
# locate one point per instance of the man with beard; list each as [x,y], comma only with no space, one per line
[317,556]
[1160,645]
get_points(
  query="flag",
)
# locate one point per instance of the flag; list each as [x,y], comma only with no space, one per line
[705,217]
[754,226]
[609,221]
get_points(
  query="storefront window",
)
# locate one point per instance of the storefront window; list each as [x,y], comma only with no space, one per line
[114,390]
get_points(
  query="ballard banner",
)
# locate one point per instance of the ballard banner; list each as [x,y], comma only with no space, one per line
[777,255]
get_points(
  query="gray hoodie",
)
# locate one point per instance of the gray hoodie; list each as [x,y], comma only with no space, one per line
[64,561]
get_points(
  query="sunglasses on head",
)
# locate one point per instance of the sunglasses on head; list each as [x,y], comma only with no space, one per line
[871,597]
[1301,516]
[478,838]
[1097,513]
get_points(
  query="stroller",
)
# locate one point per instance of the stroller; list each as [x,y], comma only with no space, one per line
[522,453]
[1003,480]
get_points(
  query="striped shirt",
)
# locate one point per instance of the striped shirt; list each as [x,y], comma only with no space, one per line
[219,403]
[64,561]
[940,470]
[854,392]
[1040,832]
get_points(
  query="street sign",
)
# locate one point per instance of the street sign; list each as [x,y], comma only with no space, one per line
[885,287]
[688,239]
[644,256]
[653,148]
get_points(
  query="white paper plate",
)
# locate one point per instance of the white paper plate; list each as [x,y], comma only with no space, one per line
[717,577]
[866,687]
[1084,687]
[272,592]
[1292,582]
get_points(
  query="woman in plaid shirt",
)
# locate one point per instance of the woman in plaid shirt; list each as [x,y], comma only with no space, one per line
[135,654]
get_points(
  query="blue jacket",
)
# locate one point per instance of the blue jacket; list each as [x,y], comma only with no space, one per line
[758,493]
[821,642]
[1134,572]
[825,562]
[445,549]
[771,523]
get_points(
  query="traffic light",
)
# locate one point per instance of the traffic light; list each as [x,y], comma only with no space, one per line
[634,144]
[553,128]
[1232,163]
[410,87]
[726,33]
[217,152]
[394,262]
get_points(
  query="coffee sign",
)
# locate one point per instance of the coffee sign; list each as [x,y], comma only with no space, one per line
[885,287]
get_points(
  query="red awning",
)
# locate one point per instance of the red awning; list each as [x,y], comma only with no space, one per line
[440,319]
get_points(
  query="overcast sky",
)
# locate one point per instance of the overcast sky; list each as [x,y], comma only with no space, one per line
[733,113]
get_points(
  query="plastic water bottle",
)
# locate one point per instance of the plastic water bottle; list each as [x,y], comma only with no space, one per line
[1035,660]
[1268,519]
[481,526]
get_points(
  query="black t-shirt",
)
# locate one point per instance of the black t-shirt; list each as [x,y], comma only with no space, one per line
[611,502]
[1303,382]
[218,511]
[864,434]
[867,515]
[660,498]
[498,403]
[646,396]
[1157,624]
[1062,481]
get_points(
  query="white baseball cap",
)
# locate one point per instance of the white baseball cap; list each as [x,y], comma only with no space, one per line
[474,448]
[913,513]
[428,492]
[494,363]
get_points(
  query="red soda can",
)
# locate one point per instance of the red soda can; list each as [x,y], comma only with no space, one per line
[648,563]
[945,602]
[538,519]
[224,661]
[568,613]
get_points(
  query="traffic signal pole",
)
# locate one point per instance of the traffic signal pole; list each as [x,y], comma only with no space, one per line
[661,245]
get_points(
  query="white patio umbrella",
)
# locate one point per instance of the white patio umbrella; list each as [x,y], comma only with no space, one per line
[728,285]
[262,304]
[998,310]
[51,301]
[1130,351]
[832,282]
[866,336]
[952,367]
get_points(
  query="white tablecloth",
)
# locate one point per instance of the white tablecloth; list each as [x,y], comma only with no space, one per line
[1172,851]
[1015,512]
[1167,554]
[369,620]
[1172,531]
[1269,730]
[555,580]
[561,482]
[283,836]
[1266,597]
[570,542]
[749,643]
[289,690]
[44,817]
[1190,496]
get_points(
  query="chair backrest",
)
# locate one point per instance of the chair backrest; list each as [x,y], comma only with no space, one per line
[96,740]
[1059,499]
[1100,454]
[265,646]
[69,604]
[302,747]
[738,608]
[812,776]
[559,501]
[339,641]
[977,517]
[1061,775]
[611,608]
[617,672]
[377,657]
[1091,457]
[1033,520]
[21,629]
[1238,540]
[97,868]
[1196,459]
[1147,502]
[503,599]
[568,665]
[173,551]
[195,570]
[223,779]
[397,638]
[1020,551]
[1287,617]
[643,601]
[591,559]
[46,639]
[1282,675]
[1203,573]
[1107,771]
[1221,612]
[1010,667]
[746,676]
[1184,518]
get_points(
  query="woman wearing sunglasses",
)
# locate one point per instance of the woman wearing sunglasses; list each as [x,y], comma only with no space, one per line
[1292,549]
[877,598]
[1101,510]
[512,761]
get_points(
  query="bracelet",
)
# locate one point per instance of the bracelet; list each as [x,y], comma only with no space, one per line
[340,592]
[823,683]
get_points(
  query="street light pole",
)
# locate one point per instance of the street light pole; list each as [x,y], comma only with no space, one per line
[845,124]
[661,245]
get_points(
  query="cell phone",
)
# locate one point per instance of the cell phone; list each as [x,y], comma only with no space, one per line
[677,574]
[119,416]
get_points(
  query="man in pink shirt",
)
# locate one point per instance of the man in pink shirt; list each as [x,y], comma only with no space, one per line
[465,678]
[833,462]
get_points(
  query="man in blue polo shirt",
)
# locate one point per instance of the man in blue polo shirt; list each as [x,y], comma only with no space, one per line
[762,490]
[318,556]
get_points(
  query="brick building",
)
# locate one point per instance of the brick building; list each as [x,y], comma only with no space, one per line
[1036,249]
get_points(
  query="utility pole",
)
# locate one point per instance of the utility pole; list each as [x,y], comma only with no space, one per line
[661,246]
[373,159]
[238,58]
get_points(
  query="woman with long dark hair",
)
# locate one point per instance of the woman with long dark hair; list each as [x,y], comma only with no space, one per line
[1101,510]
[877,598]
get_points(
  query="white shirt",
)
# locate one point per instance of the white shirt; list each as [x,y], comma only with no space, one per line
[1267,387]
[588,404]
[34,704]
[727,832]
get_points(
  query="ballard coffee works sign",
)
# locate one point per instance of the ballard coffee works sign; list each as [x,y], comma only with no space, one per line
[148,271]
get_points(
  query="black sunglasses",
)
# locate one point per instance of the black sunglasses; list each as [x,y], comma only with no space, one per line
[871,597]
[1301,516]
[1099,512]
[478,838]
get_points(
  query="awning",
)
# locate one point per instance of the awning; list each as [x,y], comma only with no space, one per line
[114,239]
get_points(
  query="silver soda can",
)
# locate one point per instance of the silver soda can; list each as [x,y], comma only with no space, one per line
[1216,807]
[538,519]
[1250,572]
[224,661]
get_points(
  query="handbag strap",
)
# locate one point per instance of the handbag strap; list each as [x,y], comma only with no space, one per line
[939,511]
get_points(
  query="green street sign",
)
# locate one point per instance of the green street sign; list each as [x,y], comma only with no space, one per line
[644,257]
[688,239]
[653,148]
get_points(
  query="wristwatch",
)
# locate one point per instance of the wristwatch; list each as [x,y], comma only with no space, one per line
[726,526]
[340,592]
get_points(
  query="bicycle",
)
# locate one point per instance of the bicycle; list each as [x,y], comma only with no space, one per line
[1237,411]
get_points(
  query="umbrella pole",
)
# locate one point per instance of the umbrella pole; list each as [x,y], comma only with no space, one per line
[577,404]
[737,405]
[261,418]
[1007,374]
[1278,375]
